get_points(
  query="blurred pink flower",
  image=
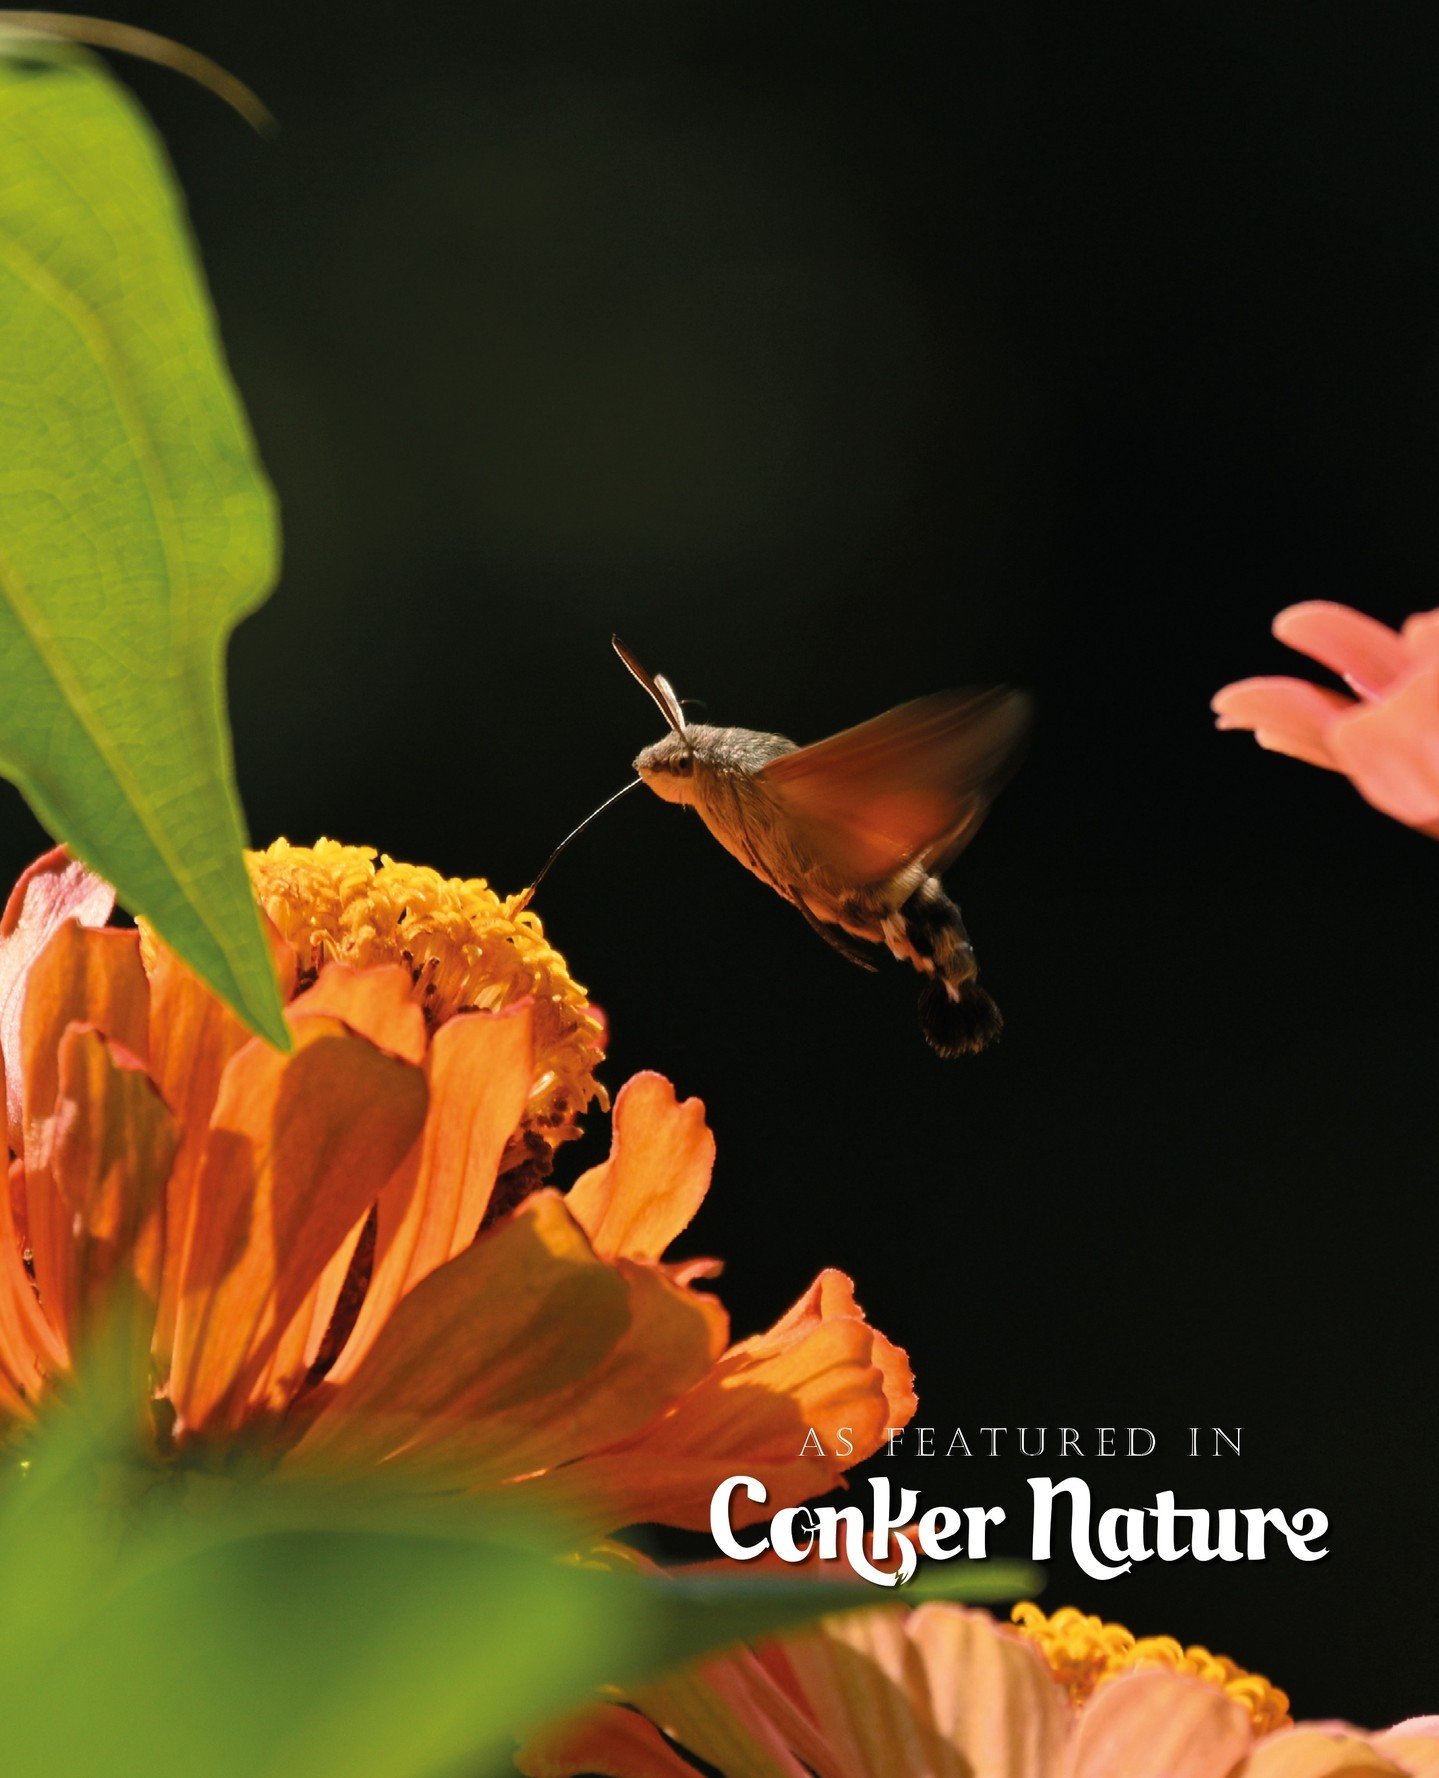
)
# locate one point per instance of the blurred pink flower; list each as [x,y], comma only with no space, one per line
[941,1691]
[1385,739]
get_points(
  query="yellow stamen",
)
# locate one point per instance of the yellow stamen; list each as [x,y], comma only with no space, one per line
[1083,1652]
[466,947]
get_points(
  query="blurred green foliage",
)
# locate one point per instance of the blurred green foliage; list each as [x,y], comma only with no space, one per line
[159,1621]
[136,525]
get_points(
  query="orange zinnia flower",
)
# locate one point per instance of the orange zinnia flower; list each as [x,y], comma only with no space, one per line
[345,1253]
[941,1690]
[1385,739]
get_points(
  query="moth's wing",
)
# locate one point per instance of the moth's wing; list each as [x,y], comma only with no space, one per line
[911,784]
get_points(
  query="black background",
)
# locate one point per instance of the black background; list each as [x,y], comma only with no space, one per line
[833,355]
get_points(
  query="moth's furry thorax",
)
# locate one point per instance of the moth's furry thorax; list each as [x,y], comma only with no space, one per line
[673,765]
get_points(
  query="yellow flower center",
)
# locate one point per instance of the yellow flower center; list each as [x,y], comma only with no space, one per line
[466,948]
[1083,1652]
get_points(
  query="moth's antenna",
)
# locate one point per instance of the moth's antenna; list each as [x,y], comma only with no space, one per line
[656,685]
[526,896]
[148,46]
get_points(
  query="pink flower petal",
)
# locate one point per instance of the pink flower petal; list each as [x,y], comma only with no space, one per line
[990,1698]
[1421,635]
[1366,654]
[1416,1759]
[1160,1725]
[1391,750]
[1287,715]
[1414,1744]
[55,888]
[1319,1753]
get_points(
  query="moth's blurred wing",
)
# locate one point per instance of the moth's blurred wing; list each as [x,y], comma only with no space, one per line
[913,783]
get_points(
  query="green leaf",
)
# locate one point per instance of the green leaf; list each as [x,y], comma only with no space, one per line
[136,525]
[154,1624]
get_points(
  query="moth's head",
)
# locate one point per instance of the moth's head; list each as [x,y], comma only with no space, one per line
[669,767]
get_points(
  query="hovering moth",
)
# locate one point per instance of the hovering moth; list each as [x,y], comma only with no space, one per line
[855,830]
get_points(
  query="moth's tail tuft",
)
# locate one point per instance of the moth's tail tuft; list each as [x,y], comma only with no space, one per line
[956,1015]
[958,1023]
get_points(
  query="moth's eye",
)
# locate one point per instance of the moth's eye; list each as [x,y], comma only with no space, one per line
[685,764]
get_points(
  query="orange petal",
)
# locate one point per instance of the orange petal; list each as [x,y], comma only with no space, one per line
[114,1145]
[193,1034]
[831,1297]
[515,1318]
[84,976]
[378,1003]
[55,888]
[695,1271]
[674,1336]
[1320,1753]
[299,1148]
[506,1359]
[1148,1723]
[28,1346]
[732,1715]
[13,1405]
[480,1069]
[750,1413]
[661,1158]
[607,1741]
[1287,715]
[287,1369]
[1366,654]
